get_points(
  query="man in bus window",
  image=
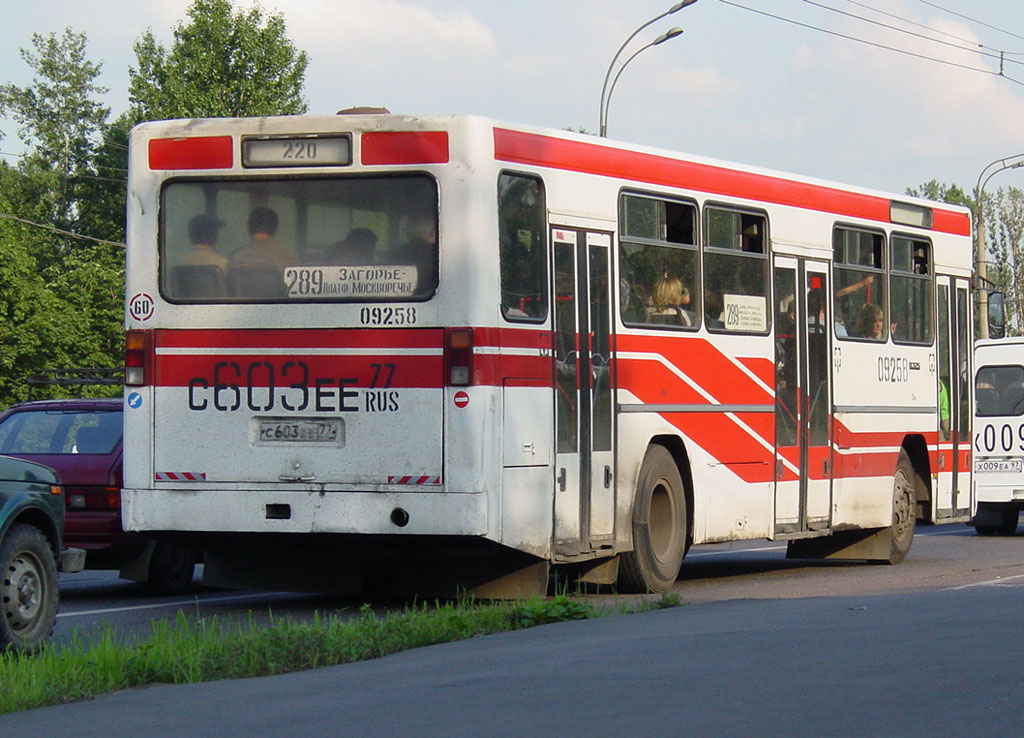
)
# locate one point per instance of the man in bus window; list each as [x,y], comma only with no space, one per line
[200,273]
[356,249]
[202,234]
[263,248]
[420,250]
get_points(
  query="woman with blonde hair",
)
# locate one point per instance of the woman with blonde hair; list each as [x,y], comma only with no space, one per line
[871,322]
[668,302]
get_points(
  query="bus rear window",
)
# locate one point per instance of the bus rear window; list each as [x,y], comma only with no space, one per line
[999,391]
[355,239]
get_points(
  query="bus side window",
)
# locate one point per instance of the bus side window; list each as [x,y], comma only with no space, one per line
[736,270]
[658,280]
[859,281]
[522,241]
[910,286]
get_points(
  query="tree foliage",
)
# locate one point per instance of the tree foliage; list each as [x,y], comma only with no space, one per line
[60,119]
[1002,215]
[61,296]
[222,64]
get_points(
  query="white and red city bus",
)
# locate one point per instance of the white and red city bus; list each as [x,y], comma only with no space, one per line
[401,351]
[998,436]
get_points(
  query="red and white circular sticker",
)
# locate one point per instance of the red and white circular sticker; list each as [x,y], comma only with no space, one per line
[461,398]
[141,306]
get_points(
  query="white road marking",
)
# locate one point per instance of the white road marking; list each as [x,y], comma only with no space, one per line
[998,582]
[178,603]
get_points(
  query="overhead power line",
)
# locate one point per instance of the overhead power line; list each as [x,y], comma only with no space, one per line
[972,20]
[876,44]
[974,48]
[915,23]
[60,231]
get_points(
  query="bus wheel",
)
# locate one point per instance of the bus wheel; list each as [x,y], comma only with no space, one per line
[904,509]
[1007,527]
[28,589]
[659,526]
[171,570]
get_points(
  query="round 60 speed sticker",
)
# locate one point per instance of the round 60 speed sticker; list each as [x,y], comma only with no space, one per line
[141,306]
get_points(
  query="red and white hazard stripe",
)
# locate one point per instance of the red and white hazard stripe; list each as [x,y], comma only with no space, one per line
[414,480]
[179,476]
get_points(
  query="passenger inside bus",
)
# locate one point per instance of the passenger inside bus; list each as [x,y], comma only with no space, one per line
[420,250]
[200,273]
[257,270]
[356,249]
[714,306]
[669,303]
[870,323]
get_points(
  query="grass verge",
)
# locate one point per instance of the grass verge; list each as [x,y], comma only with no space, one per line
[198,650]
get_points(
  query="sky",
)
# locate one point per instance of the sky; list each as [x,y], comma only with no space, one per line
[802,86]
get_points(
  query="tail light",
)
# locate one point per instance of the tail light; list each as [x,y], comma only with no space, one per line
[136,358]
[93,498]
[458,356]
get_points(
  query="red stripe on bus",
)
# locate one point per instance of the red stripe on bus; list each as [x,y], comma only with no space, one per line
[578,156]
[405,147]
[200,152]
[700,361]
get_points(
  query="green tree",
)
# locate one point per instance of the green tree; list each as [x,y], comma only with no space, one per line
[222,64]
[38,328]
[60,120]
[935,190]
[61,296]
[1004,236]
[1003,215]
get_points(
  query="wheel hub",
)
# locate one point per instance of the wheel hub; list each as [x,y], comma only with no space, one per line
[22,592]
[903,506]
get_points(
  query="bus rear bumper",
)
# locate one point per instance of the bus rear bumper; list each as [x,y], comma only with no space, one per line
[304,511]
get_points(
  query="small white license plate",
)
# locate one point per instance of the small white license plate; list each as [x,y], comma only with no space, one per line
[294,430]
[998,466]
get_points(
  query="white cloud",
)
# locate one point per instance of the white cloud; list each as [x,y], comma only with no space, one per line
[383,31]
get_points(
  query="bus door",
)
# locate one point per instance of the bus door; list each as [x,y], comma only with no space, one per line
[952,481]
[584,489]
[803,428]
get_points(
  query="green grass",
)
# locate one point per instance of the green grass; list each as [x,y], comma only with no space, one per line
[197,650]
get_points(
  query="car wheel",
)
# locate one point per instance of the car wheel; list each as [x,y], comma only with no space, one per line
[28,589]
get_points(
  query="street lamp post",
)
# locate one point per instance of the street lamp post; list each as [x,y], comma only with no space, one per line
[1008,162]
[606,89]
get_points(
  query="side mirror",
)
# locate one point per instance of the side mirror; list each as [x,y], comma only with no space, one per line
[996,315]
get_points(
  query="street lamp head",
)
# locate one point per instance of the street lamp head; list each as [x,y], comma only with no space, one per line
[670,34]
[679,6]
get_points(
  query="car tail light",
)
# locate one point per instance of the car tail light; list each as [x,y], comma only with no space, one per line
[136,358]
[458,356]
[93,498]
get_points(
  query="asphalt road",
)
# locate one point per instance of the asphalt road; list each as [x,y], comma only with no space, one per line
[766,647]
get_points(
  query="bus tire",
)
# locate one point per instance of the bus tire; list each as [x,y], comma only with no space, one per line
[904,509]
[1007,527]
[28,589]
[171,569]
[659,525]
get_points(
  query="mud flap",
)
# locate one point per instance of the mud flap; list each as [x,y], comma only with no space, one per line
[137,569]
[874,544]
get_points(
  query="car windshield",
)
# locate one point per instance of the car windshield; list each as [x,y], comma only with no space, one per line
[54,432]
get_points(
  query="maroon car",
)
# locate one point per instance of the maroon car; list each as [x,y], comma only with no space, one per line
[81,440]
